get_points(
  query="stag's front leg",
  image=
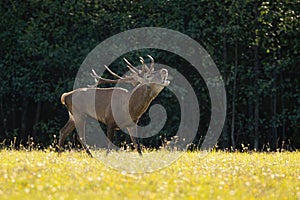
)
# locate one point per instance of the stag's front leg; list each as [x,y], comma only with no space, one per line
[110,138]
[133,131]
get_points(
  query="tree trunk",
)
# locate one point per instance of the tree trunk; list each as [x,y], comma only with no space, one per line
[3,115]
[274,109]
[14,114]
[256,121]
[24,134]
[233,95]
[37,118]
[256,86]
[225,136]
[282,107]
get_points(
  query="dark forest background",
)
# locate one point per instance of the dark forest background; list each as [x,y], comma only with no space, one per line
[255,45]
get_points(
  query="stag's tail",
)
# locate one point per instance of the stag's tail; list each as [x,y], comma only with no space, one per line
[66,99]
[62,98]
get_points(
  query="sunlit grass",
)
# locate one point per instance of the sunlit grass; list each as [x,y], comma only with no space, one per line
[218,175]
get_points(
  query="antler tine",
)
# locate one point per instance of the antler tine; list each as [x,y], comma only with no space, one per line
[152,63]
[93,85]
[94,75]
[114,74]
[131,67]
[98,79]
[145,67]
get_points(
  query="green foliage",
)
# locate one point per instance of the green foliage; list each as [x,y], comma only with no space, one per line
[43,44]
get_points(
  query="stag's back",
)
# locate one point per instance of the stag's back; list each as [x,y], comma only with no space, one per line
[93,102]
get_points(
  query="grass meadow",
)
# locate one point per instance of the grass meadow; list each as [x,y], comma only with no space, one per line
[218,175]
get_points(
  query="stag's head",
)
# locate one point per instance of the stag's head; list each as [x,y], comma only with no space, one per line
[145,76]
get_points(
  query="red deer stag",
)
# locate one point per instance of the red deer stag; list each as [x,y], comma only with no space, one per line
[97,102]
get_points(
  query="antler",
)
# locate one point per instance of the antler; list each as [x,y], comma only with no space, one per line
[113,73]
[98,79]
[145,67]
[132,78]
[131,67]
[152,63]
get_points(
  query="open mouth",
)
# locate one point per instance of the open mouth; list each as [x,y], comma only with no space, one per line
[165,81]
[164,77]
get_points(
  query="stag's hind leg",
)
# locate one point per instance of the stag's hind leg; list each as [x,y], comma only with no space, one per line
[80,126]
[65,131]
